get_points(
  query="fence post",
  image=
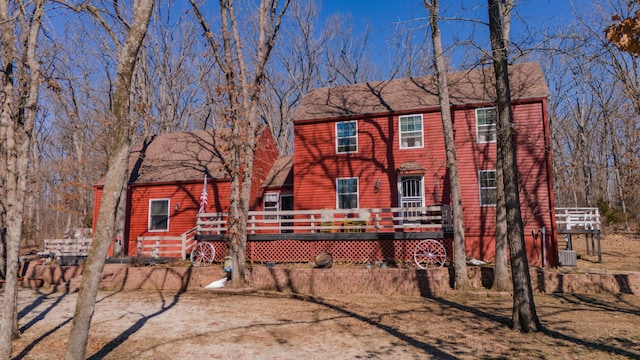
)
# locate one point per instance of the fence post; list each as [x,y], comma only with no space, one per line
[139,246]
[313,223]
[183,252]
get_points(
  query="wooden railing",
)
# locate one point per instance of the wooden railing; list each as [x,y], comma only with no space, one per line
[576,219]
[66,247]
[167,246]
[378,220]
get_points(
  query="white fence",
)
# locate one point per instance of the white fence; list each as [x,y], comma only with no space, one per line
[76,242]
[377,220]
[167,246]
[577,219]
[66,247]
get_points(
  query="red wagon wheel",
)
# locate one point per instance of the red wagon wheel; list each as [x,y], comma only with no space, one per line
[429,253]
[203,254]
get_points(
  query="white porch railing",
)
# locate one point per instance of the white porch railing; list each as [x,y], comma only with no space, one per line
[66,247]
[429,218]
[577,219]
[167,246]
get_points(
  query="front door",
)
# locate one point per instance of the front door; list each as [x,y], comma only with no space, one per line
[411,191]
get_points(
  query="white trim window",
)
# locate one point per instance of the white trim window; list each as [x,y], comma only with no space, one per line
[270,204]
[159,214]
[346,137]
[488,184]
[486,125]
[411,135]
[347,193]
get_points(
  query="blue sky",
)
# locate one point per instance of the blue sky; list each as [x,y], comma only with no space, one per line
[383,15]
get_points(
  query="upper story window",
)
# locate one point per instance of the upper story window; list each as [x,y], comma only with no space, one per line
[486,125]
[410,131]
[346,137]
[347,193]
[488,187]
[159,215]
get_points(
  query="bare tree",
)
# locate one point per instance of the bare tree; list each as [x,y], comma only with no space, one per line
[298,67]
[242,91]
[594,114]
[459,245]
[524,314]
[116,175]
[501,269]
[347,54]
[169,77]
[20,23]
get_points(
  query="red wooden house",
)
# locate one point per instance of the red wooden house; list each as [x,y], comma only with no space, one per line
[367,180]
[381,145]
[166,184]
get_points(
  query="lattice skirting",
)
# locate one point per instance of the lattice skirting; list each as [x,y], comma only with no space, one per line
[342,251]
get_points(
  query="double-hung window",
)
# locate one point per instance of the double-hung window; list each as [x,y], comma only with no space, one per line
[347,193]
[410,131]
[346,137]
[488,187]
[159,215]
[486,125]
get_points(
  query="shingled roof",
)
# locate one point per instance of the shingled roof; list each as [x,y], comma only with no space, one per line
[176,157]
[399,95]
[280,174]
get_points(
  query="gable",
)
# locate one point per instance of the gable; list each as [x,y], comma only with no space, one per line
[281,173]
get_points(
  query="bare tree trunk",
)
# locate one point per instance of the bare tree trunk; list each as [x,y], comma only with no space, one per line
[501,269]
[459,246]
[616,170]
[116,174]
[121,216]
[20,82]
[524,315]
[242,92]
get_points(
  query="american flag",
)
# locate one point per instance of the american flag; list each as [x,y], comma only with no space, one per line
[204,197]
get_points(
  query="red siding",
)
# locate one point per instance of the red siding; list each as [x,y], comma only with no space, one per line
[316,167]
[265,155]
[187,196]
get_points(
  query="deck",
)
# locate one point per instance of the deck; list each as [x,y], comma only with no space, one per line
[351,235]
[298,236]
[580,221]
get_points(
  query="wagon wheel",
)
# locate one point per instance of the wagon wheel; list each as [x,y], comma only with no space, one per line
[429,253]
[203,254]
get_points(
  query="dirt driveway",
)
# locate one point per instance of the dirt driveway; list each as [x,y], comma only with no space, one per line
[260,325]
[204,325]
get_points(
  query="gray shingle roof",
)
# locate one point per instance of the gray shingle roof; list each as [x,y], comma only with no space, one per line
[280,173]
[470,87]
[176,157]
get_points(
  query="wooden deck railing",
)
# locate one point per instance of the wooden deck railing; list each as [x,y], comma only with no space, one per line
[577,219]
[66,247]
[167,246]
[377,220]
